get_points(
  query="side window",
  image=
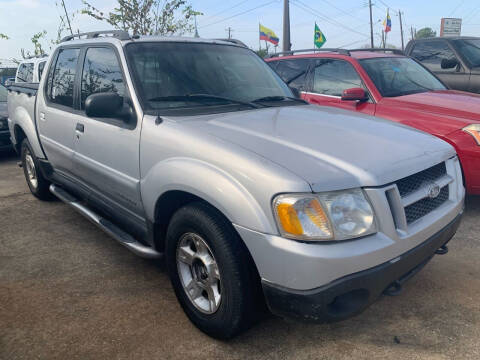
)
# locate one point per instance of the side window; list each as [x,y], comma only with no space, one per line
[25,73]
[293,72]
[431,54]
[61,84]
[41,66]
[332,76]
[101,73]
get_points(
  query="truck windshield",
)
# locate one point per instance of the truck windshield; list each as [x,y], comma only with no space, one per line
[470,49]
[397,76]
[176,75]
[3,94]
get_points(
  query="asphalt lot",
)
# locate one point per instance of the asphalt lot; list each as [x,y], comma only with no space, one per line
[68,291]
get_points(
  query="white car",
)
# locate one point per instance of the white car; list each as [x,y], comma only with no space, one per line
[30,70]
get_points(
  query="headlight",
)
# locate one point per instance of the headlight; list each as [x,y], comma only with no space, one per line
[338,215]
[473,130]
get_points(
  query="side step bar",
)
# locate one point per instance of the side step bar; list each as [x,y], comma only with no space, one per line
[118,234]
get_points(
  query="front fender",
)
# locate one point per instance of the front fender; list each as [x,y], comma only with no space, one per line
[209,183]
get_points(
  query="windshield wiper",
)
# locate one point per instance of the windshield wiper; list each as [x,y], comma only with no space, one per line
[201,98]
[278,98]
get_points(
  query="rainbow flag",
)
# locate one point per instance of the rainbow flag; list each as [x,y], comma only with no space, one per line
[387,23]
[268,35]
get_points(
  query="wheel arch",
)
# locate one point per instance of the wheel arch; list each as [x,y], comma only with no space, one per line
[177,182]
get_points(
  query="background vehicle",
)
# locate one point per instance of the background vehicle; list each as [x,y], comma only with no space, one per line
[196,149]
[455,60]
[5,142]
[393,87]
[30,70]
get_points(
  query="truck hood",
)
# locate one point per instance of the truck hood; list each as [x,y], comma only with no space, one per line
[458,108]
[330,148]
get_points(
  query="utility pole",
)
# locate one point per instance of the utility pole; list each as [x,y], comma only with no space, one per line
[371,24]
[401,28]
[286,26]
[196,28]
[68,19]
[230,30]
[412,33]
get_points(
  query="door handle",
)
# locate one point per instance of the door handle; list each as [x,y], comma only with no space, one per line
[42,116]
[80,128]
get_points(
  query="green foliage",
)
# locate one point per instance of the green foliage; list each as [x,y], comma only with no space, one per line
[147,17]
[4,37]
[37,46]
[262,52]
[425,33]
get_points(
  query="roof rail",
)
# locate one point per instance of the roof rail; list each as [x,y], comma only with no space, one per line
[119,34]
[393,51]
[233,41]
[292,52]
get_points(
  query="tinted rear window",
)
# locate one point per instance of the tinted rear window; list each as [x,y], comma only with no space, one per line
[61,83]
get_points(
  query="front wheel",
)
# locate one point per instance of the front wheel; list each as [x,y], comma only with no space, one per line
[39,186]
[211,272]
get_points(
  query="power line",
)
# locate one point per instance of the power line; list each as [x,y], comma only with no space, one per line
[227,9]
[300,4]
[457,7]
[238,14]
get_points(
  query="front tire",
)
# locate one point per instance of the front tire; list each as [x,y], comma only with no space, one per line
[39,186]
[211,271]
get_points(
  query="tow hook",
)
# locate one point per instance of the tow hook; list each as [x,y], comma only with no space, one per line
[442,250]
[394,289]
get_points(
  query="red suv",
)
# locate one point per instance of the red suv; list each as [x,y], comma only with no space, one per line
[391,86]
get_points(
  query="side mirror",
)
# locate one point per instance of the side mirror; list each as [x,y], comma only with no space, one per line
[296,92]
[354,94]
[449,63]
[103,105]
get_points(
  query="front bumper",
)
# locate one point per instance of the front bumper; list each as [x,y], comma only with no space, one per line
[351,294]
[5,142]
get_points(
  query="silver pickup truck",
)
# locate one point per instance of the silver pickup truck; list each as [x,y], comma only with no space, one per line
[196,151]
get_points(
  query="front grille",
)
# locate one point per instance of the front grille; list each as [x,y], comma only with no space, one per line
[422,207]
[414,182]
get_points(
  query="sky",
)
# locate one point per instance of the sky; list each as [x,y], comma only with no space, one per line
[344,23]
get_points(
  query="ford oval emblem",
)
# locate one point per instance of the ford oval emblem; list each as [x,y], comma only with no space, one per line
[433,190]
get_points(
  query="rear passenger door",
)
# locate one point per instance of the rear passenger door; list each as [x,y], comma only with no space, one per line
[294,72]
[433,53]
[56,110]
[330,78]
[107,149]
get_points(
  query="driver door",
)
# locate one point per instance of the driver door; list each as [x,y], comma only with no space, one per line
[106,154]
[330,78]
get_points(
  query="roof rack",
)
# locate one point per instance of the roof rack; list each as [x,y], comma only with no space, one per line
[340,51]
[119,34]
[393,51]
[233,41]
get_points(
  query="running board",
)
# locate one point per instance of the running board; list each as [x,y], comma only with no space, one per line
[118,234]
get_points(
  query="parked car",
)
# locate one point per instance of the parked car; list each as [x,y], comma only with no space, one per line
[5,143]
[9,81]
[195,150]
[30,70]
[455,60]
[394,87]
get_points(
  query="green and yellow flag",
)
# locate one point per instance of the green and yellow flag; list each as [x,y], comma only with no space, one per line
[319,39]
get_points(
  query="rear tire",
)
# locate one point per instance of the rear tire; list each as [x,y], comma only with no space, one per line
[39,186]
[205,256]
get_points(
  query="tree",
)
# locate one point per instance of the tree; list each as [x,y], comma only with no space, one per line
[147,17]
[4,37]
[37,46]
[262,53]
[425,33]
